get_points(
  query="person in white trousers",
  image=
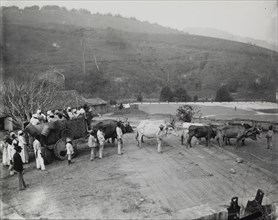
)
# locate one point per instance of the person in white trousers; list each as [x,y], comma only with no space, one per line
[119,138]
[11,152]
[69,148]
[5,157]
[160,134]
[22,143]
[92,143]
[101,140]
[37,151]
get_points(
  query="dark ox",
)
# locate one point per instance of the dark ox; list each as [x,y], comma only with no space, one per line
[199,132]
[109,128]
[239,132]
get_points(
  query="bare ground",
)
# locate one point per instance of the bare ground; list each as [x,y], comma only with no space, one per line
[180,183]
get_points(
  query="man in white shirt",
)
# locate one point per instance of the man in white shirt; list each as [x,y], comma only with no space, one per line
[34,120]
[160,134]
[101,140]
[37,151]
[119,137]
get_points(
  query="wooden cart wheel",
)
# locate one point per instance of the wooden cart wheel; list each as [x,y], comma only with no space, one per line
[47,155]
[60,150]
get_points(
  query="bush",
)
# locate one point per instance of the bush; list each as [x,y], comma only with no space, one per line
[187,112]
[223,95]
[166,94]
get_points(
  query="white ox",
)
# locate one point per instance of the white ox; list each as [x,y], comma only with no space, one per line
[185,129]
[150,129]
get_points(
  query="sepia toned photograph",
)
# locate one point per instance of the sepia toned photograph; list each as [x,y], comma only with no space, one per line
[159,109]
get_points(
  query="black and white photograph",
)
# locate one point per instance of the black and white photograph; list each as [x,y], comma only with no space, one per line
[159,109]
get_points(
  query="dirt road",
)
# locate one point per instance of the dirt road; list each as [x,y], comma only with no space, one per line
[180,183]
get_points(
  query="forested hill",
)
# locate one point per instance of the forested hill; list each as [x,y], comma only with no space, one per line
[34,16]
[122,64]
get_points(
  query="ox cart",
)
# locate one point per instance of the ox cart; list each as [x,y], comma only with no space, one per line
[53,136]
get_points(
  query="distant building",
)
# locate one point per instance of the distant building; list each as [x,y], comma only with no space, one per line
[98,104]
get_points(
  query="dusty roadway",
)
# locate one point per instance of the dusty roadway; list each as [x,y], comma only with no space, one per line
[180,183]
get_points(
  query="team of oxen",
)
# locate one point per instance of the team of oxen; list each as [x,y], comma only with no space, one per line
[150,128]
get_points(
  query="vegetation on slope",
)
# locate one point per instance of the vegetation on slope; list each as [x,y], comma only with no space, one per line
[123,64]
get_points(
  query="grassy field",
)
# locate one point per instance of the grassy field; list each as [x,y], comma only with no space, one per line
[213,111]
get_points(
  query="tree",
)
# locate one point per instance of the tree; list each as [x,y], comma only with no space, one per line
[166,94]
[195,98]
[140,98]
[181,95]
[187,112]
[23,95]
[223,95]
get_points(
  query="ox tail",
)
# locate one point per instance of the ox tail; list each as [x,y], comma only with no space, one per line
[136,137]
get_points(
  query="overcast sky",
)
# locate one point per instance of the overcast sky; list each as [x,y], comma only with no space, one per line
[252,18]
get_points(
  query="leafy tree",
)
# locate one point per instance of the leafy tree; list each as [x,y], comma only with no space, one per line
[187,112]
[181,95]
[195,98]
[166,94]
[140,98]
[223,95]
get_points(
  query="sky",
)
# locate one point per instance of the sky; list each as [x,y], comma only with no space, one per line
[252,18]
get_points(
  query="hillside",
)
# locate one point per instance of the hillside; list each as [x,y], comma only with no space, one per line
[122,64]
[212,32]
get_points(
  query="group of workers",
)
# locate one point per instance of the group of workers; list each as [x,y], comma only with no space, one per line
[98,140]
[15,149]
[56,115]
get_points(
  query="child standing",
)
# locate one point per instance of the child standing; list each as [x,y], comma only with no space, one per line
[92,143]
[69,149]
[269,137]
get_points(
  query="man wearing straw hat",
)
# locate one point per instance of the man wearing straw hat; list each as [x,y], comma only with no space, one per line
[160,134]
[101,140]
[37,150]
[22,143]
[69,148]
[18,167]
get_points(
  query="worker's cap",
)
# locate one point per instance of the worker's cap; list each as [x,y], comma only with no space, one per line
[68,139]
[12,134]
[68,108]
[161,126]
[48,112]
[20,132]
[51,114]
[56,112]
[39,111]
[74,110]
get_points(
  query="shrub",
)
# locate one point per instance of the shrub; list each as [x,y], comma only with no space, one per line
[187,112]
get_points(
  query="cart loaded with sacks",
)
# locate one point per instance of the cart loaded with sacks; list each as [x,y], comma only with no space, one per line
[53,136]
